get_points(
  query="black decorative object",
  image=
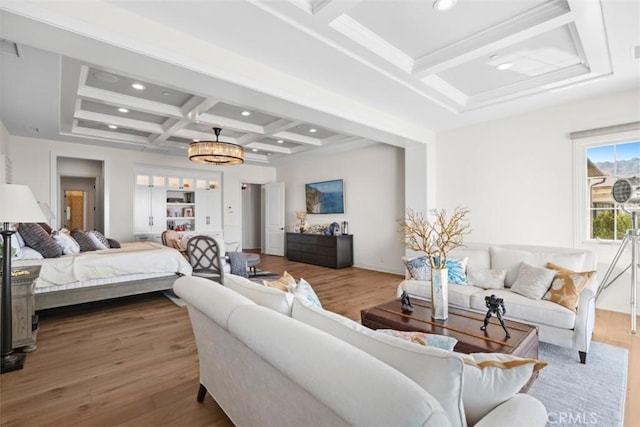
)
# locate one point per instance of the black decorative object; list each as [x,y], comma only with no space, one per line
[406,302]
[495,306]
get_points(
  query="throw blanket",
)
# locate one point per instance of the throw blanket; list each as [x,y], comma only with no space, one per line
[238,262]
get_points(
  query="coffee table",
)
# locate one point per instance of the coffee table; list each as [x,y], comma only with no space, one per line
[463,325]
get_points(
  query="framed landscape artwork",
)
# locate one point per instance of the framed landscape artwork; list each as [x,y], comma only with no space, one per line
[325,197]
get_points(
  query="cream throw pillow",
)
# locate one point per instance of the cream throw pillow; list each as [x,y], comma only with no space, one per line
[493,378]
[566,286]
[532,281]
[287,283]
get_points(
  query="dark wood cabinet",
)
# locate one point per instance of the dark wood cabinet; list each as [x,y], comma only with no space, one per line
[327,251]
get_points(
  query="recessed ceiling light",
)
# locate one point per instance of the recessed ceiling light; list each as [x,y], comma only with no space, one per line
[280,141]
[313,130]
[123,110]
[268,154]
[504,66]
[196,140]
[255,150]
[166,93]
[442,5]
[138,86]
[113,127]
[246,113]
[105,77]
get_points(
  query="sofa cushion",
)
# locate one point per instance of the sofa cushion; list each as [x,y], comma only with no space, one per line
[509,259]
[526,310]
[566,286]
[478,258]
[272,298]
[486,278]
[533,282]
[437,371]
[492,378]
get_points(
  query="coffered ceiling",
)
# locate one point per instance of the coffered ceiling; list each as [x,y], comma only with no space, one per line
[292,78]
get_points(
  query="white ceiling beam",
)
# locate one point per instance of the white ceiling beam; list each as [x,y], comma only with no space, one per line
[108,136]
[269,147]
[302,139]
[131,102]
[202,136]
[279,126]
[119,121]
[538,21]
[227,123]
[171,126]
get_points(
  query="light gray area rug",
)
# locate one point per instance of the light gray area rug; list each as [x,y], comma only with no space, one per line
[174,298]
[578,395]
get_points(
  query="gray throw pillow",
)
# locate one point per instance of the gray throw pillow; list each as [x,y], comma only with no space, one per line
[533,282]
[101,238]
[37,238]
[84,240]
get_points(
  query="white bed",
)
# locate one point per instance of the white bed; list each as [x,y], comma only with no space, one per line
[135,268]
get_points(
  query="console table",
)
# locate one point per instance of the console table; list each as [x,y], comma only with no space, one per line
[327,251]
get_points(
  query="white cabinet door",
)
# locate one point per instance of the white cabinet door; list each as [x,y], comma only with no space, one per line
[208,210]
[142,209]
[149,209]
[158,209]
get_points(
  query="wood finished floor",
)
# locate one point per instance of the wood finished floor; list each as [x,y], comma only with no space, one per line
[133,362]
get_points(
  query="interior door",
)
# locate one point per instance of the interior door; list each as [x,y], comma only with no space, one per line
[274,219]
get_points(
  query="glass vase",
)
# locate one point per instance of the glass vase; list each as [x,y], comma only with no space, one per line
[439,294]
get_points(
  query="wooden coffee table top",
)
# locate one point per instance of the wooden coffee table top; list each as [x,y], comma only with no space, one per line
[462,325]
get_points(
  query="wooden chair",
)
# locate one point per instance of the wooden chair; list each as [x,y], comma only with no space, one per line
[205,258]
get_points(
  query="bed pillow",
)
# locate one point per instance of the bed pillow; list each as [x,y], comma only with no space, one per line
[103,240]
[85,241]
[35,237]
[26,252]
[67,244]
[114,244]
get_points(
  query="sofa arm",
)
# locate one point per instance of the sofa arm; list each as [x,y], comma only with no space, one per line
[585,317]
[521,410]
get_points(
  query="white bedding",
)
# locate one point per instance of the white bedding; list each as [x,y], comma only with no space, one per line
[132,258]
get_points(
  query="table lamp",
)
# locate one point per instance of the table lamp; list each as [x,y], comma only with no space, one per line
[17,204]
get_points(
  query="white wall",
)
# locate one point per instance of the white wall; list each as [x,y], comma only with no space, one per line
[516,177]
[4,153]
[374,200]
[34,164]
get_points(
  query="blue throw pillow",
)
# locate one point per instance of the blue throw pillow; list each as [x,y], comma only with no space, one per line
[456,271]
[306,292]
[418,267]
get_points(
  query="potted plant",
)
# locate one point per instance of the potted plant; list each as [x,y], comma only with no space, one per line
[436,238]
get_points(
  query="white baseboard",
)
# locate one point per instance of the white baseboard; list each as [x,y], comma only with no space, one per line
[382,269]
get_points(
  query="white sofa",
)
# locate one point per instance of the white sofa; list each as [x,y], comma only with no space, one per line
[557,324]
[318,368]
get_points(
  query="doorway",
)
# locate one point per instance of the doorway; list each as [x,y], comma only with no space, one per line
[252,235]
[78,203]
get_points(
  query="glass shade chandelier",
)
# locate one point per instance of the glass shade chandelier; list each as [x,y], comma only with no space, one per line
[216,152]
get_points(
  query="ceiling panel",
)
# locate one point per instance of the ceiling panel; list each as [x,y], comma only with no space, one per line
[235,112]
[97,107]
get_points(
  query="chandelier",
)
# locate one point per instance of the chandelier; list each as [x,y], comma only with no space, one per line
[216,152]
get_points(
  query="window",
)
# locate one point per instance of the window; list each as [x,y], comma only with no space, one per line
[605,165]
[600,158]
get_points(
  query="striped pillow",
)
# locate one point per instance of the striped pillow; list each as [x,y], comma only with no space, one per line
[37,238]
[84,240]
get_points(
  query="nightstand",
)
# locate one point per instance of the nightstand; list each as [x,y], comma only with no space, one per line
[25,320]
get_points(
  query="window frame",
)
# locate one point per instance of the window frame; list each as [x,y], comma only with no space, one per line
[581,142]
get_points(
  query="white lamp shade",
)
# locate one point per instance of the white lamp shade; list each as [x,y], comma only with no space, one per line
[17,204]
